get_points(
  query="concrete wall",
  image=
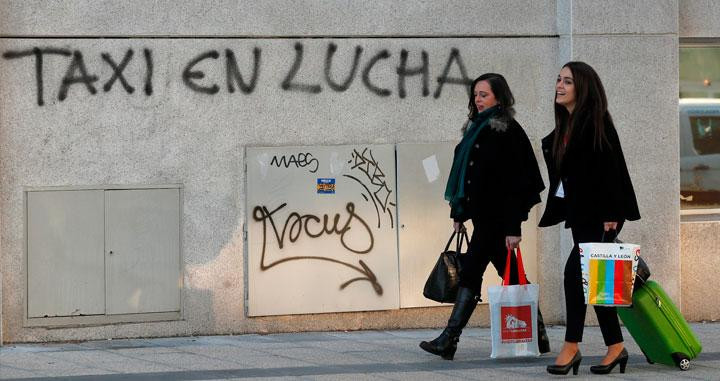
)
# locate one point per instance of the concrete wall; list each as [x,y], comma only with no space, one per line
[1,280]
[699,248]
[699,18]
[277,18]
[177,135]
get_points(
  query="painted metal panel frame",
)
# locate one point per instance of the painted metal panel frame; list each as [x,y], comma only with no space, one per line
[425,225]
[95,320]
[321,229]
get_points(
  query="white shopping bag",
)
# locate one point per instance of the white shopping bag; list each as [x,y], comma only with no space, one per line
[513,315]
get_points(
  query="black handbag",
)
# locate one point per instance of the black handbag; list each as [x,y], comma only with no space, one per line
[443,282]
[642,274]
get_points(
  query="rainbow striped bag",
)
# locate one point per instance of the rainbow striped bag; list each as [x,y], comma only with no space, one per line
[608,271]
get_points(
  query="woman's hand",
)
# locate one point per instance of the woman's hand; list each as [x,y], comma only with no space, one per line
[512,242]
[458,226]
[610,226]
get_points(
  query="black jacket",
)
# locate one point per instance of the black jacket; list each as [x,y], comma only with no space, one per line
[596,182]
[503,178]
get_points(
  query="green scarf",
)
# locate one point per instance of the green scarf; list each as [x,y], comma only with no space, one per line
[455,189]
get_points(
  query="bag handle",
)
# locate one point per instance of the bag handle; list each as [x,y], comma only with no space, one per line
[522,278]
[458,242]
[458,246]
[447,247]
[615,240]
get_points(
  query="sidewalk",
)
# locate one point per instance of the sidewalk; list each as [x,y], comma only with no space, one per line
[364,355]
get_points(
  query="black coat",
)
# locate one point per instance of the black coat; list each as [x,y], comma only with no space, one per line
[503,178]
[596,182]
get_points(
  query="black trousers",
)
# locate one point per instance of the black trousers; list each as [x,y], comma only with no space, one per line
[486,245]
[574,296]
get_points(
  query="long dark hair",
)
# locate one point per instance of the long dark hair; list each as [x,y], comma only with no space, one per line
[500,88]
[590,110]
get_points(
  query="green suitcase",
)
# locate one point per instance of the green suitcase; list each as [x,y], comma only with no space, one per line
[659,328]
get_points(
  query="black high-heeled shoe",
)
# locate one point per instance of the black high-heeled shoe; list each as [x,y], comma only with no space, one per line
[621,359]
[564,369]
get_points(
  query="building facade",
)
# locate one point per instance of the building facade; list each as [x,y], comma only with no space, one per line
[135,138]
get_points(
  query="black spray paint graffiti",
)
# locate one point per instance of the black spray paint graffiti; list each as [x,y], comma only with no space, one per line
[195,79]
[301,160]
[232,73]
[287,83]
[332,48]
[77,72]
[380,192]
[402,71]
[300,223]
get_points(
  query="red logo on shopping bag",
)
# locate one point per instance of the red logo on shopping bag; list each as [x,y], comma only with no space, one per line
[516,324]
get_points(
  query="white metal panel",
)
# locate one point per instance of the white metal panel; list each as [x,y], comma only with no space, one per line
[143,250]
[65,240]
[425,224]
[311,252]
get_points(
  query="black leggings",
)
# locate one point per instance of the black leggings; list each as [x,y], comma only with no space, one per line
[575,298]
[486,245]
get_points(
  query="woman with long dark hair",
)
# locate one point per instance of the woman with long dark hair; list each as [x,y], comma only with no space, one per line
[590,189]
[494,181]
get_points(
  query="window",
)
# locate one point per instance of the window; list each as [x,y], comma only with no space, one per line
[706,134]
[700,125]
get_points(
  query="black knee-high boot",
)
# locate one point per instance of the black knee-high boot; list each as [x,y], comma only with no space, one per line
[543,339]
[445,345]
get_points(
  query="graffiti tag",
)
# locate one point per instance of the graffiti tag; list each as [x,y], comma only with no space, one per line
[377,190]
[314,227]
[301,160]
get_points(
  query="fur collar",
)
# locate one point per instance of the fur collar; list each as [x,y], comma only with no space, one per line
[498,123]
[501,122]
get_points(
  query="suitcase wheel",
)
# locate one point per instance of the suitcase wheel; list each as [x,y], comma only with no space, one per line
[682,361]
[684,364]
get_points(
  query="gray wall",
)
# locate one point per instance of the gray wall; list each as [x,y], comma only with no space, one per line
[699,246]
[699,18]
[177,135]
[277,18]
